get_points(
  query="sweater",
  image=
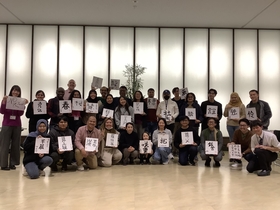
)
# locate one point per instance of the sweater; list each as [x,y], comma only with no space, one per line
[243,139]
[7,121]
[127,140]
[178,137]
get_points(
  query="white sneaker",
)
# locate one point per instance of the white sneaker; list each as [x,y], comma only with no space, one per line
[170,156]
[42,173]
[165,163]
[236,166]
[24,172]
[80,168]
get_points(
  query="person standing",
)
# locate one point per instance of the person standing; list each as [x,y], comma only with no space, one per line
[10,132]
[262,108]
[211,102]
[71,86]
[168,110]
[232,121]
[152,104]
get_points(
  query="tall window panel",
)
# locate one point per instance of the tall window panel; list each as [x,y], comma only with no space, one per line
[96,55]
[2,62]
[19,61]
[245,64]
[196,61]
[121,53]
[146,54]
[71,56]
[171,59]
[269,72]
[45,61]
[221,71]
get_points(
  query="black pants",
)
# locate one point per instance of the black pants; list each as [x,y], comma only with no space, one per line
[261,160]
[67,157]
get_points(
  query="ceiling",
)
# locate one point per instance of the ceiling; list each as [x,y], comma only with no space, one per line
[151,13]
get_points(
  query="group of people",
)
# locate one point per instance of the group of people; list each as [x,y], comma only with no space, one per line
[161,124]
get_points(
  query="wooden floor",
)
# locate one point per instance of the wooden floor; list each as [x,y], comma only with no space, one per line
[143,187]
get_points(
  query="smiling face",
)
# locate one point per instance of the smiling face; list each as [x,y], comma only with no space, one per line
[138,96]
[257,130]
[243,127]
[15,93]
[60,93]
[145,136]
[71,84]
[122,101]
[76,95]
[109,99]
[42,128]
[92,95]
[62,125]
[91,123]
[211,124]
[40,96]
[109,124]
[161,125]
[129,128]
[254,96]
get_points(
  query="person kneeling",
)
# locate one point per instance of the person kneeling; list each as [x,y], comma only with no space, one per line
[87,141]
[129,144]
[265,147]
[187,146]
[36,163]
[211,134]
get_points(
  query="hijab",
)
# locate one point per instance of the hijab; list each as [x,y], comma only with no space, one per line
[37,133]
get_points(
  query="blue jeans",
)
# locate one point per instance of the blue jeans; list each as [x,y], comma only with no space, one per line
[151,127]
[231,130]
[32,168]
[161,154]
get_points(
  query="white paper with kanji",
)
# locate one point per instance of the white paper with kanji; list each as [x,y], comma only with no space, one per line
[112,140]
[234,113]
[15,103]
[42,146]
[251,113]
[96,82]
[234,151]
[91,144]
[211,147]
[78,104]
[163,140]
[65,106]
[65,143]
[145,146]
[187,137]
[138,107]
[115,84]
[91,107]
[166,114]
[125,119]
[183,92]
[211,111]
[191,113]
[151,103]
[39,107]
[108,113]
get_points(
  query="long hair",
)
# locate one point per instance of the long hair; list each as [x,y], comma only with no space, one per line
[17,88]
[72,94]
[141,99]
[126,106]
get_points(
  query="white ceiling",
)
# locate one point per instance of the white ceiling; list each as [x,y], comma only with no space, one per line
[163,13]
